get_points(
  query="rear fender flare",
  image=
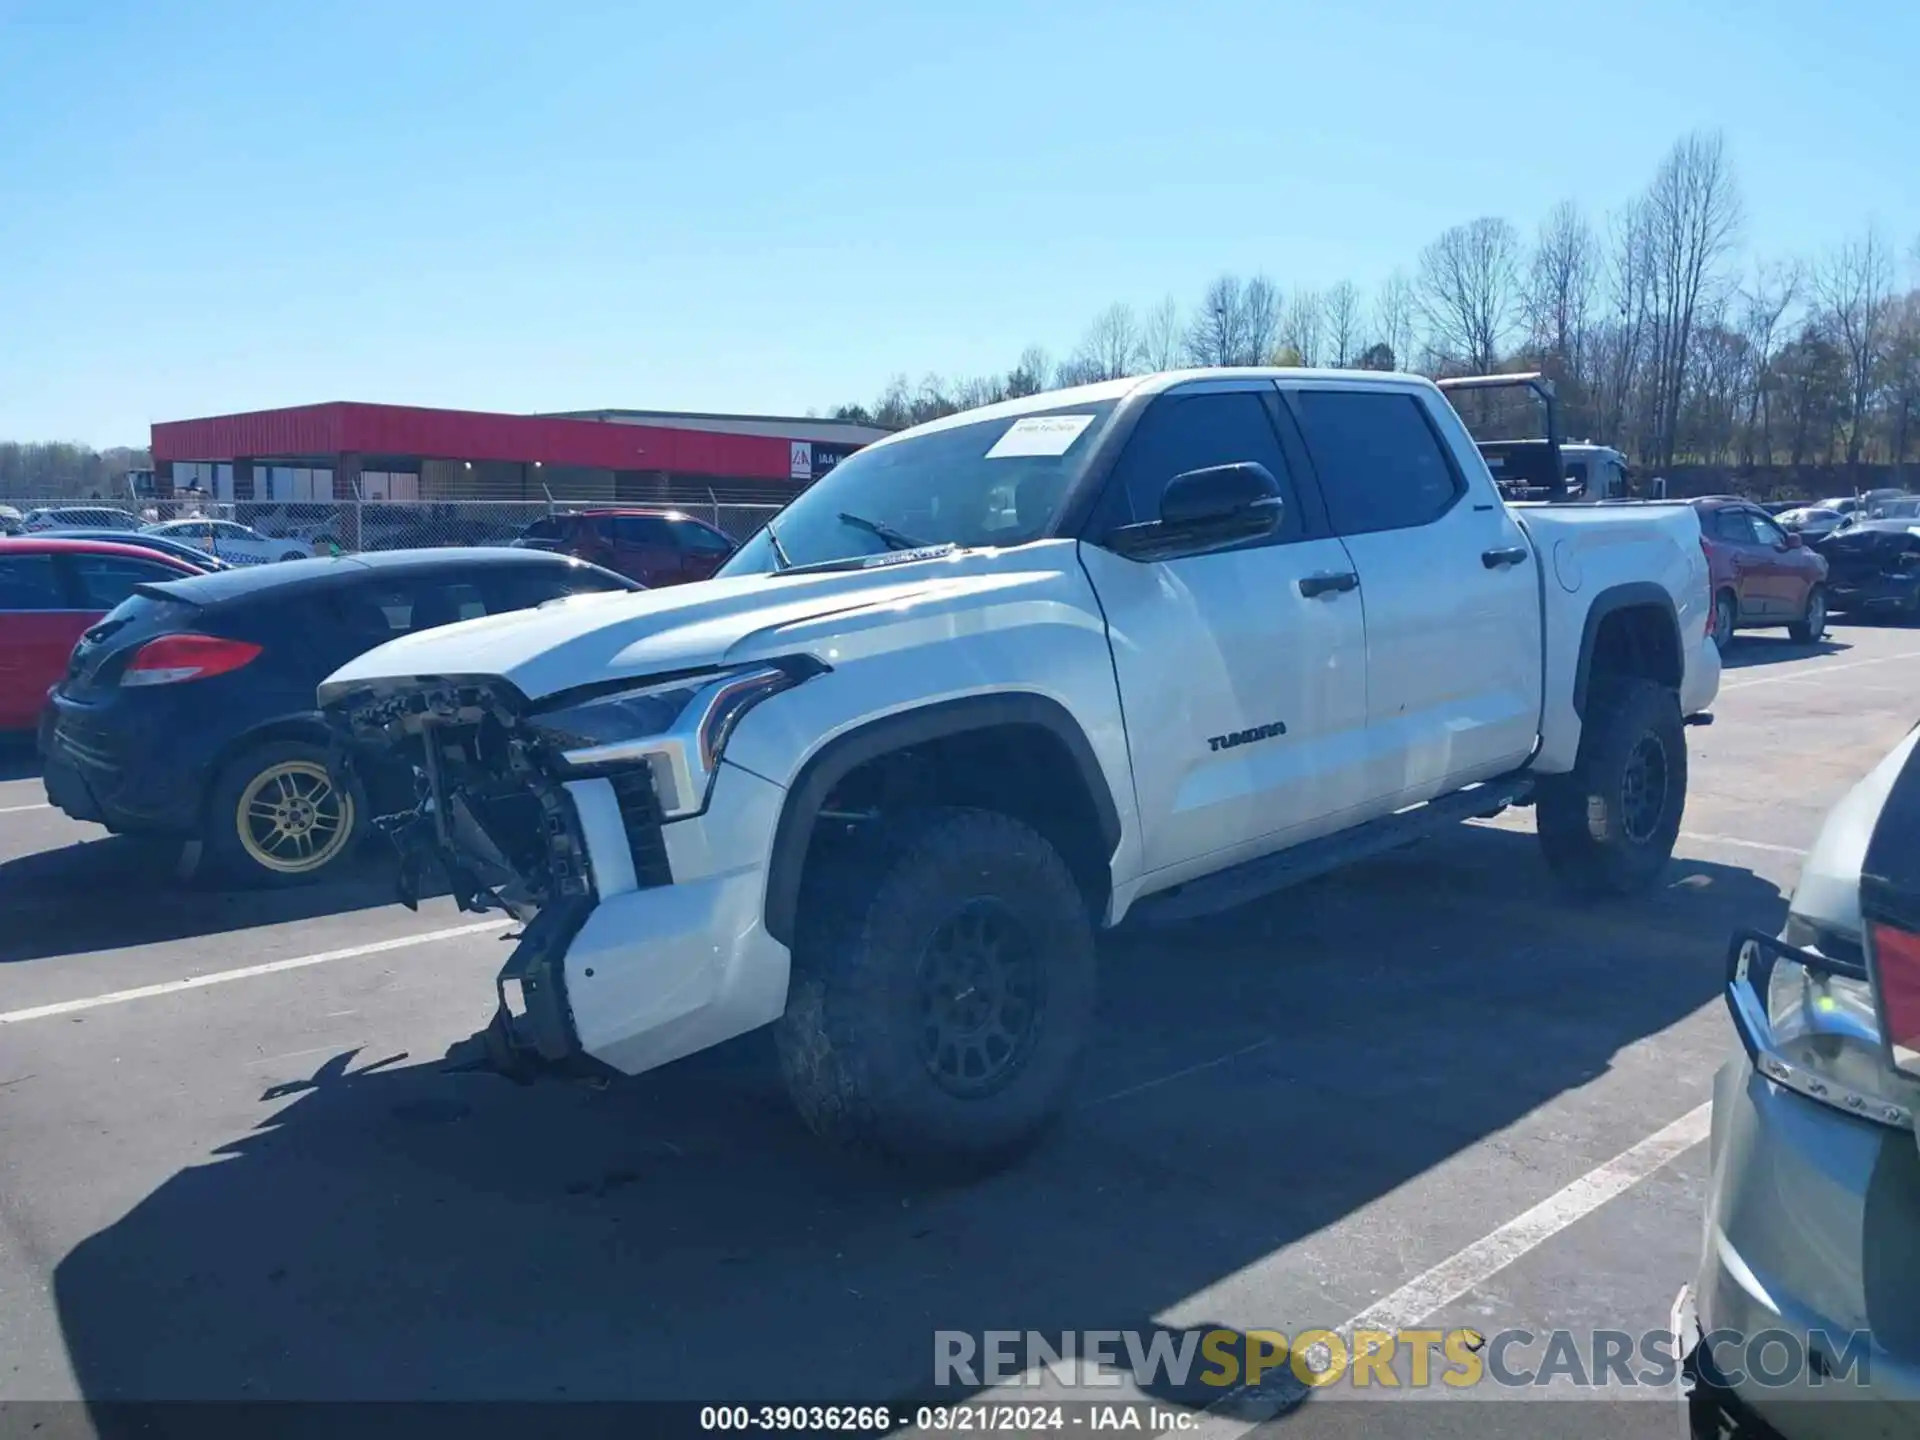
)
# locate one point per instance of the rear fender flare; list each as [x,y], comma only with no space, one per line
[1631,595]
[846,753]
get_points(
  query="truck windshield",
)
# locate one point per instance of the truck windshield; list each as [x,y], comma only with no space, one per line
[992,482]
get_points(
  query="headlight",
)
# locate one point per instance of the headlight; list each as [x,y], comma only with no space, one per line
[678,728]
[1805,1011]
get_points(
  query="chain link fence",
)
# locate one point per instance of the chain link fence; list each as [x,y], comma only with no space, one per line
[280,530]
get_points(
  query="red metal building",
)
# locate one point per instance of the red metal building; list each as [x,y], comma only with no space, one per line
[341,450]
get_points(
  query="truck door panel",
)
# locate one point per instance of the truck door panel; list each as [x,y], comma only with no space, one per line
[1245,695]
[1449,584]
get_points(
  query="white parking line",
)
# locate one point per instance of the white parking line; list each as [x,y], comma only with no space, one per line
[1817,671]
[1696,836]
[16,809]
[272,967]
[1465,1271]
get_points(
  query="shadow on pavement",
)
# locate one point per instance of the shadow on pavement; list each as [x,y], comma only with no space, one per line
[1751,648]
[390,1231]
[122,890]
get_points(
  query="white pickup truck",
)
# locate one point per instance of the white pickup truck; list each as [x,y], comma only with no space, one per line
[997,682]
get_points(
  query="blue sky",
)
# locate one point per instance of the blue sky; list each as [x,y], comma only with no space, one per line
[763,206]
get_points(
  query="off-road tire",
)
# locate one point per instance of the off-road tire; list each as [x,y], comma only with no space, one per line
[1726,616]
[853,1041]
[229,853]
[1812,626]
[1592,837]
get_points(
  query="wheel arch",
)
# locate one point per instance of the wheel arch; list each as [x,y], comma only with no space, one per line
[309,728]
[1630,628]
[904,731]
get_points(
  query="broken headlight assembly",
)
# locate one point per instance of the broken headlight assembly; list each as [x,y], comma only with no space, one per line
[677,728]
[1805,1010]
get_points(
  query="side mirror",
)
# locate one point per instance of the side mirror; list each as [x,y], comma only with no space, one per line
[1795,541]
[1206,510]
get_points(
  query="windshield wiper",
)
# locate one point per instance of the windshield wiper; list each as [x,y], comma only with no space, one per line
[889,536]
[780,557]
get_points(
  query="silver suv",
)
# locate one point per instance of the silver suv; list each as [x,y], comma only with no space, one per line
[1804,1318]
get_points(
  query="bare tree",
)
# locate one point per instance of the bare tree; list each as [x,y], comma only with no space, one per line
[1303,328]
[1340,307]
[1218,331]
[1393,315]
[1763,308]
[1163,336]
[1261,301]
[1623,338]
[1111,345]
[1468,284]
[1693,218]
[1236,322]
[1032,374]
[1901,366]
[1854,286]
[1561,283]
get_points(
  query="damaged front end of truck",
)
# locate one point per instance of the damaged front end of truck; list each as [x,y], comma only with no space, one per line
[535,808]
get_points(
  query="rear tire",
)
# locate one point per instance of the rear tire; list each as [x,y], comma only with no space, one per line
[276,817]
[1726,612]
[942,993]
[294,555]
[1609,827]
[1812,626]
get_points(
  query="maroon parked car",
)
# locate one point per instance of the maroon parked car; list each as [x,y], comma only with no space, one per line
[1761,574]
[655,547]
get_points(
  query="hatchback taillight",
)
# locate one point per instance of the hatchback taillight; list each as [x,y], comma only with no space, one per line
[1896,963]
[173,658]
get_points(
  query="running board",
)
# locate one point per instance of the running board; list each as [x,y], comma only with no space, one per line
[1311,859]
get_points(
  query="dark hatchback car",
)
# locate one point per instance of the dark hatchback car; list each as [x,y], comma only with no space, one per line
[655,547]
[189,709]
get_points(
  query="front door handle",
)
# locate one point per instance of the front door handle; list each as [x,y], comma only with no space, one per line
[1505,555]
[1312,585]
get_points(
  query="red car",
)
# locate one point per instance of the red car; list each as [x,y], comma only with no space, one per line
[1761,574]
[51,592]
[655,547]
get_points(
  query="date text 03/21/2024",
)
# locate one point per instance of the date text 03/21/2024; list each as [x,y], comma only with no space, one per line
[978,1418]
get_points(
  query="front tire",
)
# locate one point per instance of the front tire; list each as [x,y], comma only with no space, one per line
[1812,626]
[1610,826]
[276,816]
[942,993]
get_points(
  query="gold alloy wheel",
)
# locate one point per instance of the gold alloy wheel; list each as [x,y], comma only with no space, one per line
[291,819]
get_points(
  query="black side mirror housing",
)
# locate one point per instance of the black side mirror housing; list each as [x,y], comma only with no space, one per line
[1206,510]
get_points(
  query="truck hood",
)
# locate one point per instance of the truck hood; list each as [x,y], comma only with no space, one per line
[590,639]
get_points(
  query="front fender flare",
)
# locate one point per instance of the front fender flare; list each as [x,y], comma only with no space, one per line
[845,753]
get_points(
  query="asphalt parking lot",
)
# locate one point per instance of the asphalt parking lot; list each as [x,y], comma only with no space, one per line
[265,1188]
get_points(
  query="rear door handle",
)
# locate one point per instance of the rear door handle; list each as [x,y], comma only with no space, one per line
[1312,585]
[1505,555]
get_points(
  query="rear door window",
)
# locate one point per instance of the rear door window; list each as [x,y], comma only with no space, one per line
[101,582]
[1380,463]
[29,582]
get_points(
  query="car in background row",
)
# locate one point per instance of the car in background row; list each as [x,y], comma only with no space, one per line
[68,517]
[655,547]
[146,540]
[231,541]
[1761,574]
[1813,1191]
[51,590]
[1810,522]
[10,520]
[189,710]
[1874,566]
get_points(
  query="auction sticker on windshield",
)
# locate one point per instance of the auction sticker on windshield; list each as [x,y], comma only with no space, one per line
[1039,435]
